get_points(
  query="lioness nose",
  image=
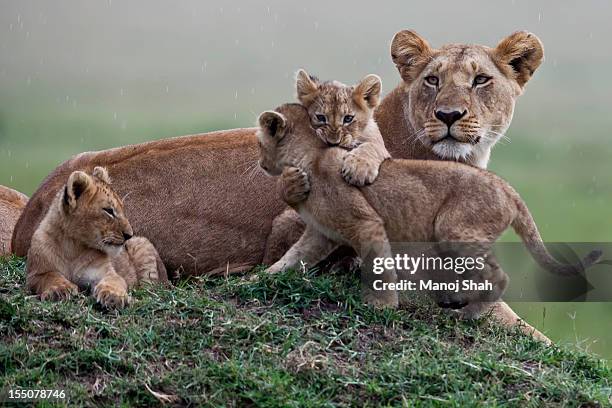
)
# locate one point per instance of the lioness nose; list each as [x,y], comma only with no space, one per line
[127,236]
[449,117]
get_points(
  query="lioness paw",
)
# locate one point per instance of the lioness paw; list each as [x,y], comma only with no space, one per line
[294,185]
[59,291]
[111,296]
[359,171]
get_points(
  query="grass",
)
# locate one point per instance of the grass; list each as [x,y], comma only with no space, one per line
[298,339]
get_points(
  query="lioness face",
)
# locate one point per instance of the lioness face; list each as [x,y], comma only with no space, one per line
[94,214]
[461,97]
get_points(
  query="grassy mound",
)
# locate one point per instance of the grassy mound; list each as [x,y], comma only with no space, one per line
[298,339]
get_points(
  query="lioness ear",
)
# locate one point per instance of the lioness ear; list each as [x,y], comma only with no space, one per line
[272,123]
[522,52]
[368,91]
[410,54]
[307,87]
[78,183]
[101,174]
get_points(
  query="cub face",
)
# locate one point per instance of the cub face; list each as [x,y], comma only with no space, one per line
[461,97]
[93,213]
[338,112]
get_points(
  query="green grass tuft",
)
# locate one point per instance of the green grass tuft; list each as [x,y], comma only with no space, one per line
[294,339]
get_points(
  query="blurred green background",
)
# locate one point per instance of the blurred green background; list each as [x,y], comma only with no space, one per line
[84,75]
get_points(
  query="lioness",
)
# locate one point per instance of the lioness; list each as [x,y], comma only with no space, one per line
[411,201]
[86,241]
[206,210]
[12,204]
[457,101]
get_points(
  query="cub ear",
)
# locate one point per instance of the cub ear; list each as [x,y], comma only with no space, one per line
[307,87]
[78,183]
[272,123]
[101,174]
[410,54]
[368,91]
[522,52]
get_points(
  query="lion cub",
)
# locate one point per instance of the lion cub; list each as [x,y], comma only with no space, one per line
[85,241]
[342,116]
[412,201]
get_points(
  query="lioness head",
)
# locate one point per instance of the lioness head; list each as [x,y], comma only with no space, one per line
[461,97]
[338,111]
[93,213]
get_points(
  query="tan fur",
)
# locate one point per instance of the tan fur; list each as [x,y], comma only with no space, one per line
[411,201]
[12,204]
[85,241]
[335,102]
[200,199]
[407,118]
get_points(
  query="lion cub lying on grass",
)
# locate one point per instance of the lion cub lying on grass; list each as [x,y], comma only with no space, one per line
[85,241]
[411,201]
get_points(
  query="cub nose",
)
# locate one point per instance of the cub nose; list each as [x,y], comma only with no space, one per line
[449,117]
[127,236]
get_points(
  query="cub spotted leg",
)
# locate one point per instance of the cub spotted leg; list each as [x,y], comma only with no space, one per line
[50,285]
[109,289]
[451,227]
[287,228]
[311,248]
[146,261]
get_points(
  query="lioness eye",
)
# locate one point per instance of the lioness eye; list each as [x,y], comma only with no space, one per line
[348,118]
[481,80]
[109,211]
[432,80]
[321,118]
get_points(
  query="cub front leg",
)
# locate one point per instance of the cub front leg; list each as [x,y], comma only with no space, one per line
[293,185]
[109,289]
[146,261]
[311,248]
[51,285]
[361,165]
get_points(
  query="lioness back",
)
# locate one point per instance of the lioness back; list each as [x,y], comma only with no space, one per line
[201,200]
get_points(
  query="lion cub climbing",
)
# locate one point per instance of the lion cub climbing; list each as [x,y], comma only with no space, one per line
[342,116]
[411,201]
[85,241]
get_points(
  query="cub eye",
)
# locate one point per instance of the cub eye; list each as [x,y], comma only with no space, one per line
[432,80]
[109,211]
[348,119]
[481,79]
[321,118]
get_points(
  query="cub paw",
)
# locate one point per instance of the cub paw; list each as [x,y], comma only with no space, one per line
[294,185]
[111,296]
[59,291]
[381,299]
[359,171]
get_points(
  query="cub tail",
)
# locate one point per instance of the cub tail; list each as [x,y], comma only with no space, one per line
[526,228]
